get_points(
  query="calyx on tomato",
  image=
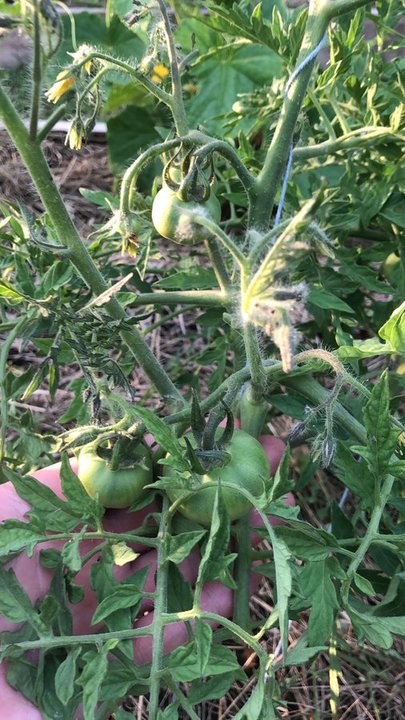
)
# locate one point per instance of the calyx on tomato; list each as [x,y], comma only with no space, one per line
[118,487]
[246,466]
[185,193]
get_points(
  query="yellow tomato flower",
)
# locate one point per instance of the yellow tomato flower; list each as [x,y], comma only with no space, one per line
[64,82]
[75,135]
[160,72]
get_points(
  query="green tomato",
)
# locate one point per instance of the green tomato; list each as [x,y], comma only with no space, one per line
[114,488]
[248,468]
[391,265]
[173,223]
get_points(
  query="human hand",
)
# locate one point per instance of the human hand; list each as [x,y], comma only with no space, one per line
[36,579]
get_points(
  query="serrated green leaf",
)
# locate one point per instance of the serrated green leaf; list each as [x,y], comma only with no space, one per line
[79,501]
[364,348]
[381,435]
[353,473]
[163,435]
[53,511]
[184,662]
[91,679]
[16,535]
[15,604]
[178,547]
[300,653]
[394,330]
[316,579]
[66,674]
[203,639]
[282,556]
[327,300]
[123,596]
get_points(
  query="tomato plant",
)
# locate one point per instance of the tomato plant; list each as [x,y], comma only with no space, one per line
[114,488]
[247,467]
[275,134]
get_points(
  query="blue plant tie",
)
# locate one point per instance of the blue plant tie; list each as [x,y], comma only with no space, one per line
[312,55]
[284,186]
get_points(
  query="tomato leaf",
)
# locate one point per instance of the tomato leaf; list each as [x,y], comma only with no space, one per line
[381,435]
[45,504]
[65,675]
[163,435]
[282,555]
[178,547]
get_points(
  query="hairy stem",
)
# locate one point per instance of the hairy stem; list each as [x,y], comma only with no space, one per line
[36,74]
[177,106]
[277,155]
[218,265]
[242,593]
[160,609]
[208,298]
[132,173]
[351,141]
[370,534]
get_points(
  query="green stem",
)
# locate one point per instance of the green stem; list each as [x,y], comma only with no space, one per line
[157,91]
[159,610]
[254,360]
[103,535]
[94,81]
[217,232]
[219,267]
[35,162]
[228,152]
[51,122]
[277,154]
[98,548]
[253,355]
[177,106]
[5,349]
[207,298]
[71,640]
[265,240]
[233,628]
[370,533]
[313,391]
[335,8]
[131,174]
[181,697]
[322,115]
[36,74]
[351,141]
[241,613]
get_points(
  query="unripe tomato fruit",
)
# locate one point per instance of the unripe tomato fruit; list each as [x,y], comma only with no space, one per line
[173,223]
[248,468]
[114,488]
[390,265]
